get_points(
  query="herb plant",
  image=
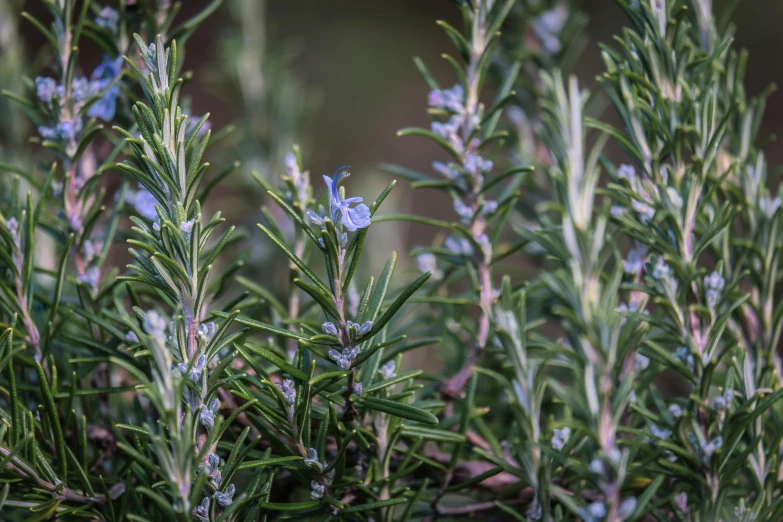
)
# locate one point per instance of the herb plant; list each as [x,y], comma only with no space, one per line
[604,297]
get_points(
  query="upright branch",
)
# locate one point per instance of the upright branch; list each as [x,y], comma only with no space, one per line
[466,129]
[176,258]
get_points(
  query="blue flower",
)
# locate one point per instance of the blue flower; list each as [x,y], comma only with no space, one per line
[45,88]
[106,106]
[67,130]
[48,133]
[144,202]
[107,70]
[101,78]
[353,218]
[91,277]
[107,19]
[225,498]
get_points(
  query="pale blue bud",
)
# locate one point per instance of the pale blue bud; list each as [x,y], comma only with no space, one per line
[207,418]
[316,490]
[107,19]
[560,437]
[225,498]
[388,369]
[315,218]
[329,328]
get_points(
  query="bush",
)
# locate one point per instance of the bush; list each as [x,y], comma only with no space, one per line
[633,374]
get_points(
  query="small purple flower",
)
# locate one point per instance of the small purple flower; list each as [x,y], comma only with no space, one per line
[713,286]
[312,458]
[12,225]
[709,448]
[90,250]
[107,70]
[489,207]
[352,218]
[616,211]
[154,324]
[131,337]
[475,165]
[645,211]
[225,498]
[105,107]
[458,246]
[626,508]
[446,170]
[597,466]
[291,165]
[658,432]
[534,511]
[464,211]
[548,27]
[388,369]
[69,129]
[202,511]
[451,99]
[316,490]
[722,402]
[560,437]
[361,329]
[207,415]
[195,372]
[45,88]
[144,203]
[429,263]
[206,331]
[289,392]
[685,357]
[314,218]
[769,206]
[595,512]
[75,222]
[640,362]
[91,277]
[186,227]
[343,359]
[107,19]
[446,130]
[436,99]
[626,172]
[635,261]
[193,121]
[65,131]
[329,328]
[681,501]
[82,90]
[48,133]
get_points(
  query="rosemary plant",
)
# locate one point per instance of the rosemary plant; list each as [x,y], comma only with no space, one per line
[608,318]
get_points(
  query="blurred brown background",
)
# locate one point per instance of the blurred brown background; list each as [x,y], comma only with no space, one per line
[355,62]
[351,64]
[342,82]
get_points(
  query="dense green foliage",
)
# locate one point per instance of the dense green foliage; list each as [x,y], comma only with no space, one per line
[628,372]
